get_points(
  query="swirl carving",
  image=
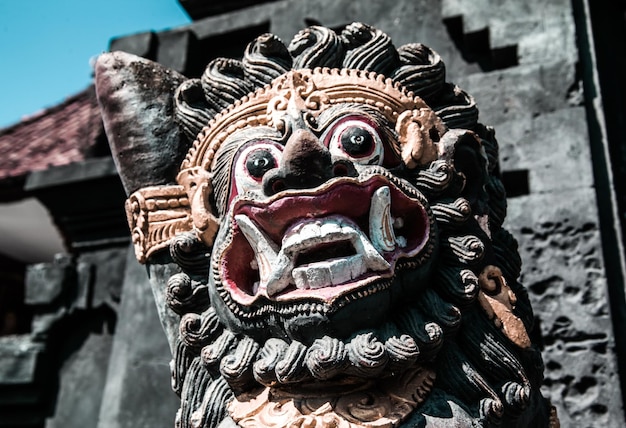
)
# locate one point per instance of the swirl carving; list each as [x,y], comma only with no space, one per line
[327,357]
[368,355]
[184,295]
[316,47]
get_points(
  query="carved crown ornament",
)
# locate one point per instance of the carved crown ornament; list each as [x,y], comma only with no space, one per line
[156,214]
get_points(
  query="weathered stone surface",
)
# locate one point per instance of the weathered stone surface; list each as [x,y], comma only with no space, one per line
[81,384]
[45,282]
[141,44]
[481,14]
[516,92]
[138,386]
[125,83]
[175,49]
[564,273]
[44,321]
[159,274]
[94,219]
[100,277]
[19,356]
[538,40]
[542,143]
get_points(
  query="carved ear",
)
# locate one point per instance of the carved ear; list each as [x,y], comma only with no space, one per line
[136,98]
[197,184]
[419,132]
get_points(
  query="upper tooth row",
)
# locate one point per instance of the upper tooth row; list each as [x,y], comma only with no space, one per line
[307,234]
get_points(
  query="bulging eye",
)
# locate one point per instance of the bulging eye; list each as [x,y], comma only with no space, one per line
[358,140]
[253,162]
[259,162]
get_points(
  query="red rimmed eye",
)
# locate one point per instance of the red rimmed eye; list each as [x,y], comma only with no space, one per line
[254,160]
[357,140]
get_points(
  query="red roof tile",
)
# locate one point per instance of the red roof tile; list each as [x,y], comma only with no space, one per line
[59,135]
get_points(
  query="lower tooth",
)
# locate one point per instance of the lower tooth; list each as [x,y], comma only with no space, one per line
[344,270]
[311,277]
[329,274]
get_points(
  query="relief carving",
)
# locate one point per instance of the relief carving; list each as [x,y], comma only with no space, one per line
[337,222]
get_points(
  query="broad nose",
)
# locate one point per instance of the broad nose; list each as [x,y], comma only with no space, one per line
[306,163]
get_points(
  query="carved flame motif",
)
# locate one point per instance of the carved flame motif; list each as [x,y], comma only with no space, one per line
[498,301]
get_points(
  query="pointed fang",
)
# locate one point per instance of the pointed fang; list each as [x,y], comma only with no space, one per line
[381,222]
[265,250]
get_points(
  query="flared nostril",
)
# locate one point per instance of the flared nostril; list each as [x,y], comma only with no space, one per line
[278,185]
[273,182]
[344,168]
[340,170]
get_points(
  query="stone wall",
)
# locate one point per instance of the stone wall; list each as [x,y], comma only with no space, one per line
[537,109]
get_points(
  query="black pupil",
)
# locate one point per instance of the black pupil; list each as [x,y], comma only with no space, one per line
[357,141]
[260,162]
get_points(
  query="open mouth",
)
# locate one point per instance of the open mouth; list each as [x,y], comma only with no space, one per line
[323,243]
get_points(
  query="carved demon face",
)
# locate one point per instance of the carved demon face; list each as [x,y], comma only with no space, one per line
[319,234]
[338,224]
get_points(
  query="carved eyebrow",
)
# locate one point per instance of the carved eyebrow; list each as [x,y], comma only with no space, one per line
[331,114]
[386,129]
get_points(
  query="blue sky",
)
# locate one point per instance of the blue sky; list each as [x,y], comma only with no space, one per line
[46,46]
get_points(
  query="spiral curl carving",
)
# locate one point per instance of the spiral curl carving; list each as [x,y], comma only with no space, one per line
[456,108]
[184,295]
[316,47]
[368,49]
[198,330]
[367,355]
[402,351]
[224,83]
[452,213]
[458,285]
[192,111]
[327,357]
[292,368]
[265,59]
[467,249]
[264,368]
[213,353]
[237,366]
[190,253]
[421,71]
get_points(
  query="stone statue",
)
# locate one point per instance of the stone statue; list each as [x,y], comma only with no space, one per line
[334,214]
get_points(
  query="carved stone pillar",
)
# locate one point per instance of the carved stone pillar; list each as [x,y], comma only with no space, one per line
[322,222]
